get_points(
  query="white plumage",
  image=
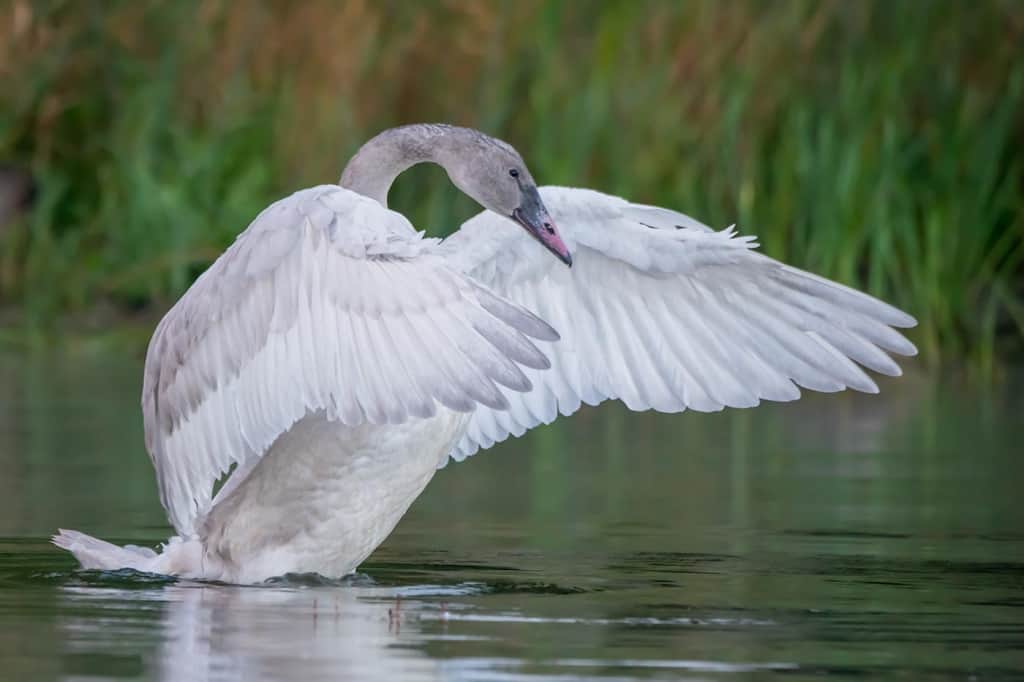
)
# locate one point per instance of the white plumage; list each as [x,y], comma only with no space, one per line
[663,313]
[332,358]
[327,302]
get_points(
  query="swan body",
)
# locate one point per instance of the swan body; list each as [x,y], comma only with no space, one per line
[333,357]
[300,512]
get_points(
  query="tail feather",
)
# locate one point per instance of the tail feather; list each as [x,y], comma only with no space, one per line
[177,556]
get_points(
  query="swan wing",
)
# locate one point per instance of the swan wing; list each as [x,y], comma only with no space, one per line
[326,302]
[664,313]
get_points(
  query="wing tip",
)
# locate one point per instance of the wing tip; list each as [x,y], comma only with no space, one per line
[870,387]
[514,315]
[903,320]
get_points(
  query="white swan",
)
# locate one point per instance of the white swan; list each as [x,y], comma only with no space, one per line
[333,357]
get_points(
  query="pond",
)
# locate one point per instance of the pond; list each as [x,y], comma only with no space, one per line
[843,536]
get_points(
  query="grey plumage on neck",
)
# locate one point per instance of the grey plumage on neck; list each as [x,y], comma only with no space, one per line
[461,151]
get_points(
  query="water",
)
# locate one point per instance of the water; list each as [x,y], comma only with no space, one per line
[846,537]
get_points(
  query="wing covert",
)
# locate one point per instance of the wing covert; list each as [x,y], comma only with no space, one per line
[664,313]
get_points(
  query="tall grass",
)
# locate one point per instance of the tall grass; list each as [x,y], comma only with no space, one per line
[873,142]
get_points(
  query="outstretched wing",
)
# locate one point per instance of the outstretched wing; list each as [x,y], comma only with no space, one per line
[329,302]
[663,313]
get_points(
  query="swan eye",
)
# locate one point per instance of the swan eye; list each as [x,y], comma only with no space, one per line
[513,172]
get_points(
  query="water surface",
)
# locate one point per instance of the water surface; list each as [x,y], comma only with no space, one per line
[841,537]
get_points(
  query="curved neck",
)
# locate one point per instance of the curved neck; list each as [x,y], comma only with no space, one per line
[383,158]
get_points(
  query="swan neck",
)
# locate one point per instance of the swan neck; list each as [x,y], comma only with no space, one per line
[383,158]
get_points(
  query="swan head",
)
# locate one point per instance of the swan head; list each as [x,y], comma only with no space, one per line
[494,175]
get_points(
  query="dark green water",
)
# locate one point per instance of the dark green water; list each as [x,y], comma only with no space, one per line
[841,537]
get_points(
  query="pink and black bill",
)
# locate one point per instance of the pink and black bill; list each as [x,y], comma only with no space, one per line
[534,217]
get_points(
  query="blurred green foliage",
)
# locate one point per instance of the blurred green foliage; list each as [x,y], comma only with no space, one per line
[873,142]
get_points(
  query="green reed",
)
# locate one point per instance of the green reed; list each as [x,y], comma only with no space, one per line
[875,142]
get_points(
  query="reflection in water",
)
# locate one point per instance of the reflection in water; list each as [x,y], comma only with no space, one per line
[220,632]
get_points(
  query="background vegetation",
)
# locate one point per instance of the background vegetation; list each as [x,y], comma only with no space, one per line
[874,142]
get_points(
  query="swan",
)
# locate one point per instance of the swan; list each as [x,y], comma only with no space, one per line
[333,358]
